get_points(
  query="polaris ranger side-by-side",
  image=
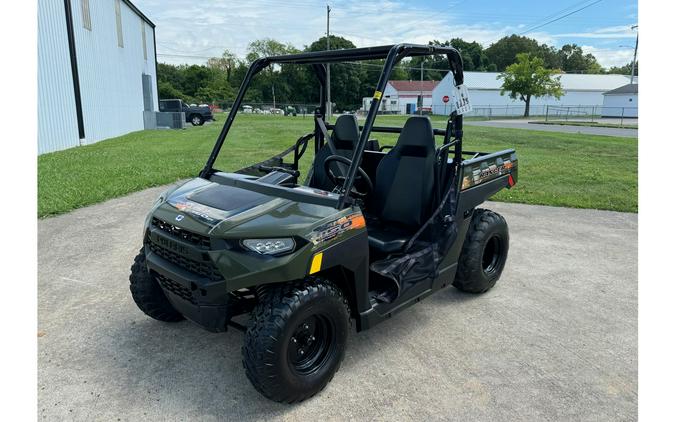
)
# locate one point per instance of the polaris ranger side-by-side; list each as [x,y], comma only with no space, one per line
[370,231]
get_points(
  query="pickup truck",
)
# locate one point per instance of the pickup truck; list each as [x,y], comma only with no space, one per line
[195,115]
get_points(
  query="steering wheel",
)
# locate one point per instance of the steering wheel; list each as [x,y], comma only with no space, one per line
[339,180]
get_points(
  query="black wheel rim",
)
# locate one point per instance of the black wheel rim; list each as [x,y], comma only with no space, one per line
[492,254]
[311,344]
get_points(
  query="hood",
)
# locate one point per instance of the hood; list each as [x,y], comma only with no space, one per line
[211,203]
[202,206]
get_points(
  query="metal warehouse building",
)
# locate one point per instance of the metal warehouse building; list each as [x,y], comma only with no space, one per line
[621,102]
[96,71]
[484,89]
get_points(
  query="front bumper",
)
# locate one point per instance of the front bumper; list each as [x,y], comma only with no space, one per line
[189,294]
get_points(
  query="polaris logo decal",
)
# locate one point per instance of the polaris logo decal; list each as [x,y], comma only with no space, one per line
[201,212]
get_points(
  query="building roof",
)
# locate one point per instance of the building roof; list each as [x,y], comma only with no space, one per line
[569,81]
[626,89]
[414,85]
[139,13]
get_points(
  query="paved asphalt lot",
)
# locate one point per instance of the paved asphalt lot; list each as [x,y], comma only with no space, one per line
[556,339]
[523,124]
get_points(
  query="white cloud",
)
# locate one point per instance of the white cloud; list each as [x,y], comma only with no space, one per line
[613,32]
[609,57]
[197,33]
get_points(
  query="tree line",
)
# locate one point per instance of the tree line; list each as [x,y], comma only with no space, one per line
[217,81]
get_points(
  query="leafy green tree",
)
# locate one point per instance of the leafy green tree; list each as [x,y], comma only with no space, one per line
[225,63]
[624,70]
[345,78]
[268,85]
[218,90]
[529,78]
[268,47]
[167,91]
[195,77]
[550,55]
[473,54]
[573,60]
[503,52]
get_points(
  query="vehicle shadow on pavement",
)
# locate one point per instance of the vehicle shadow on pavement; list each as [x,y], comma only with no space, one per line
[180,366]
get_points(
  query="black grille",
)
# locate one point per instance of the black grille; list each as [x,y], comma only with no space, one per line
[204,269]
[186,235]
[175,288]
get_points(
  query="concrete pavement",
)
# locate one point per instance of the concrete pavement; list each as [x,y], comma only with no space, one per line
[556,339]
[523,124]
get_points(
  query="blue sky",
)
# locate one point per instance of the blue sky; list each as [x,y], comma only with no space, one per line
[187,33]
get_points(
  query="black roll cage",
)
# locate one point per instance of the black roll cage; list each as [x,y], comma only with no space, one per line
[393,54]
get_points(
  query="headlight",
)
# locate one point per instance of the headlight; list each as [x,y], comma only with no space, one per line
[269,246]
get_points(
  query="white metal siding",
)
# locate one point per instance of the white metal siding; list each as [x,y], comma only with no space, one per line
[111,76]
[618,105]
[57,119]
[574,93]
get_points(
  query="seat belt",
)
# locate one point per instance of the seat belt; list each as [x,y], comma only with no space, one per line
[331,145]
[329,140]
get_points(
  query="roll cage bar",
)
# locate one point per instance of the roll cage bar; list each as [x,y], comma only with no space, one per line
[392,55]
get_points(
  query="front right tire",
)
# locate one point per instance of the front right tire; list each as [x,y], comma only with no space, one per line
[296,339]
[148,294]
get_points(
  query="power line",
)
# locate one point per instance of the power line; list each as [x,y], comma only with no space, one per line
[561,17]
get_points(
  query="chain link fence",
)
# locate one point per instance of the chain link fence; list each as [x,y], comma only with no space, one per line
[591,114]
[266,108]
[580,113]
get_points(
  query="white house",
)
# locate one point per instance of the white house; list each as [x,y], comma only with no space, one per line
[404,97]
[484,90]
[97,72]
[621,102]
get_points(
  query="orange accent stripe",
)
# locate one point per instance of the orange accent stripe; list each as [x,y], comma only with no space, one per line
[358,222]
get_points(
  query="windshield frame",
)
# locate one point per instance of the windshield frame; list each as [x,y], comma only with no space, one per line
[392,54]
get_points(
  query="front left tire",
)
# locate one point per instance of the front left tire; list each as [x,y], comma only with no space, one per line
[296,339]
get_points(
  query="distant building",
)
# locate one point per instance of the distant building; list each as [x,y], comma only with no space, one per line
[404,97]
[97,72]
[621,102]
[484,90]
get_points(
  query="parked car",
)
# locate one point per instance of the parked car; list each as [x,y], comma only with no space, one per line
[193,114]
[247,109]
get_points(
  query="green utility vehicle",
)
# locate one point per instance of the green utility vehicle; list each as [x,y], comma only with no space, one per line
[368,232]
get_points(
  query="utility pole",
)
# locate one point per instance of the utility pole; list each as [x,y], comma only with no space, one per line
[274,98]
[632,68]
[421,86]
[329,105]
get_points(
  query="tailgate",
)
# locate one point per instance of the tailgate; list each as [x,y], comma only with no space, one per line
[486,167]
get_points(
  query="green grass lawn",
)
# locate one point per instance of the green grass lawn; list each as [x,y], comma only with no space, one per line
[558,169]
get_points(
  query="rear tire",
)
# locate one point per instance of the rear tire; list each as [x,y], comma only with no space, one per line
[296,339]
[148,295]
[484,252]
[196,120]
